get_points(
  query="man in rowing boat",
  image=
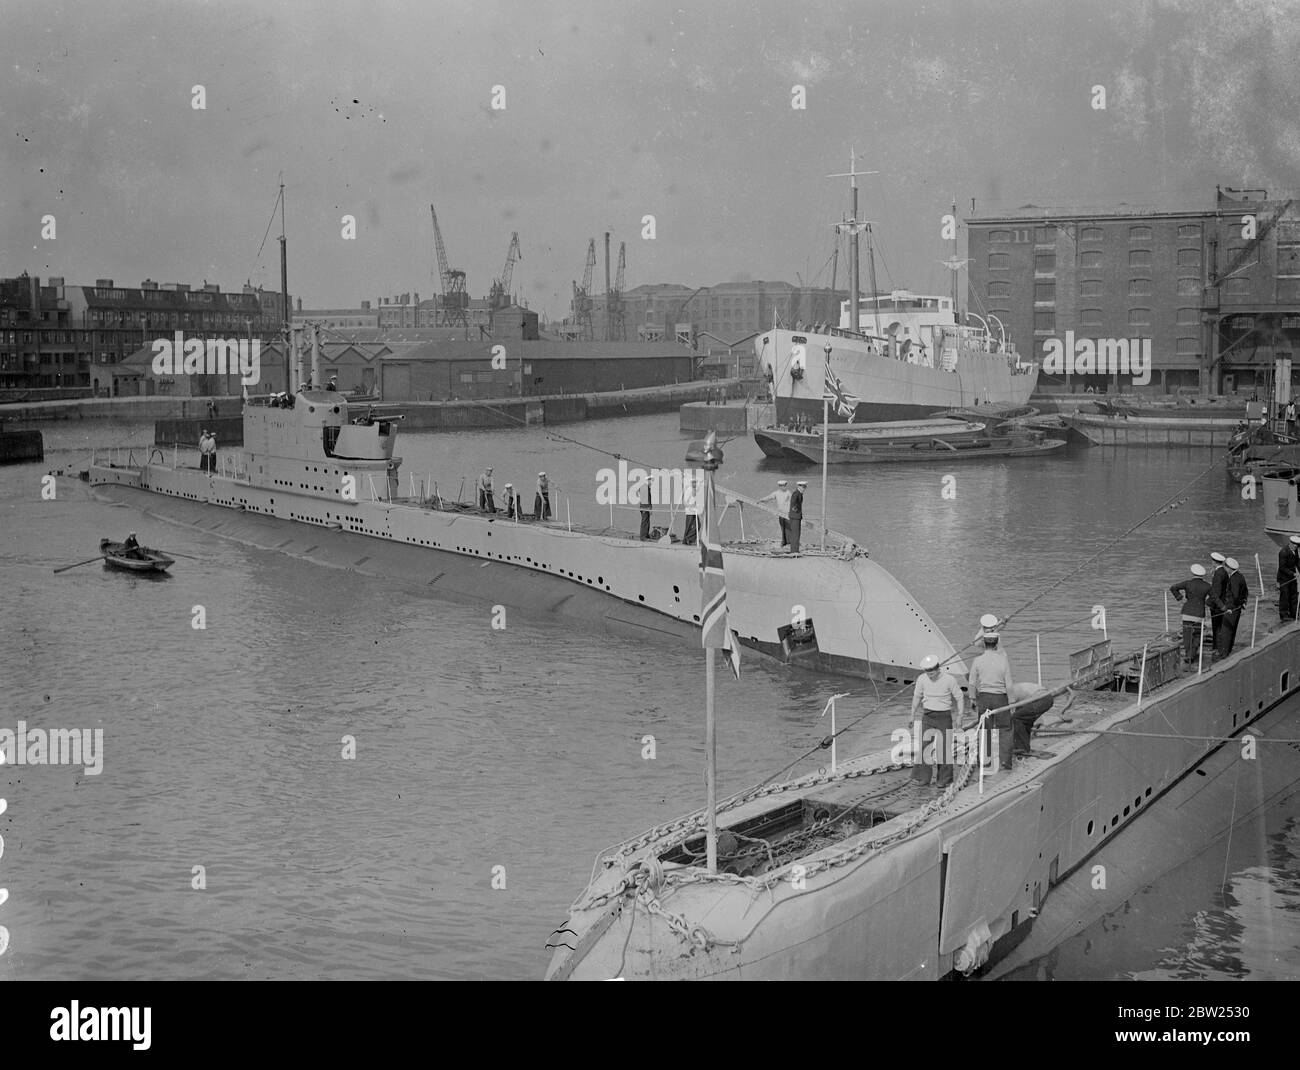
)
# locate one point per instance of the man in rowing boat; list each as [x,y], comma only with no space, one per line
[939,697]
[131,548]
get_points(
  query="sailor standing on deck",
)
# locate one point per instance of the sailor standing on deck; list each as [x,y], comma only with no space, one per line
[485,501]
[795,527]
[512,503]
[1235,596]
[207,451]
[781,497]
[1218,578]
[1287,564]
[939,697]
[542,500]
[643,496]
[990,682]
[1196,591]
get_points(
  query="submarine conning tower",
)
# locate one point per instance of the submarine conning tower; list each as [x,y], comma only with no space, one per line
[307,444]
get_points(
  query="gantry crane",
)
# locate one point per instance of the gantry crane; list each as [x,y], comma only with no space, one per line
[615,315]
[582,296]
[499,296]
[453,301]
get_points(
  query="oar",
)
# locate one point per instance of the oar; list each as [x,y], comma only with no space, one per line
[80,563]
[173,553]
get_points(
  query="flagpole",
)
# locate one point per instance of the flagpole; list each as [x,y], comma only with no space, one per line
[711,763]
[709,458]
[825,437]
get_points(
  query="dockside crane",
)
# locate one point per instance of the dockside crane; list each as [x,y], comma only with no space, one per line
[499,295]
[582,296]
[1238,262]
[453,301]
[615,312]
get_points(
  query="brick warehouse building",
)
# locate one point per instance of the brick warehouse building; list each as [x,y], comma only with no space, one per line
[1217,304]
[66,340]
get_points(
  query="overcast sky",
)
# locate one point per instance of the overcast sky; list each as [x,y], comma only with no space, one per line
[613,111]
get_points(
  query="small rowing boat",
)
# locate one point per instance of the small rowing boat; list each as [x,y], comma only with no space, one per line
[142,559]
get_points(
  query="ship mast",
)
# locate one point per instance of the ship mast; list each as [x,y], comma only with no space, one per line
[284,291]
[853,226]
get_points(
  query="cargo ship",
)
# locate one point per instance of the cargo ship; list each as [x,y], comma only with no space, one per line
[315,479]
[853,873]
[893,356]
[906,358]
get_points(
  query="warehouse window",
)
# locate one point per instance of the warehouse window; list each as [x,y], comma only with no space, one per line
[1045,321]
[999,289]
[1090,260]
[1189,257]
[1090,288]
[1139,258]
[1190,230]
[1139,317]
[1044,292]
[1090,234]
[1188,287]
[999,235]
[1044,263]
[1288,249]
[999,261]
[1187,346]
[1188,316]
[1045,235]
[1139,233]
[1139,287]
[1090,317]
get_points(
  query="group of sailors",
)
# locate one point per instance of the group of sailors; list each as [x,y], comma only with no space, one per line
[208,451]
[514,503]
[939,699]
[799,424]
[1224,595]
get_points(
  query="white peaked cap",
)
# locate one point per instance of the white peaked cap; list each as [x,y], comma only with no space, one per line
[1295,538]
[782,482]
[1232,563]
[989,620]
[1198,570]
[929,662]
[1218,557]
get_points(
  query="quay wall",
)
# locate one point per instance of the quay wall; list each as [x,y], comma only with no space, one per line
[183,429]
[19,446]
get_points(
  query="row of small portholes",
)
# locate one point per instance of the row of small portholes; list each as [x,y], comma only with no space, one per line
[1127,810]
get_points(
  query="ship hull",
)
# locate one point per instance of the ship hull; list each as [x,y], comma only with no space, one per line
[633,584]
[888,388]
[1156,431]
[968,879]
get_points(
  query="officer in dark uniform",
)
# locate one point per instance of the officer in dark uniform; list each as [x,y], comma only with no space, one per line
[1287,564]
[1236,595]
[1195,591]
[796,515]
[1218,577]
